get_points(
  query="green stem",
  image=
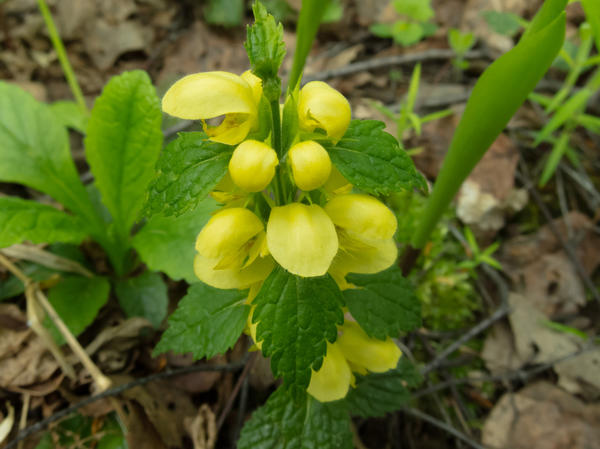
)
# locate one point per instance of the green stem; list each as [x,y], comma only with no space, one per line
[62,55]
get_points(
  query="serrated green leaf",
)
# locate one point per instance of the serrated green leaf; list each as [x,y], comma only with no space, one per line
[378,394]
[373,161]
[77,300]
[22,220]
[187,170]
[34,150]
[384,304]
[265,47]
[144,296]
[70,115]
[208,321]
[122,144]
[167,243]
[282,423]
[296,318]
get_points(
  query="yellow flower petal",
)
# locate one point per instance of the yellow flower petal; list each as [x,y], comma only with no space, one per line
[362,215]
[204,268]
[227,232]
[356,256]
[302,239]
[232,130]
[208,95]
[310,164]
[333,379]
[255,84]
[321,106]
[252,165]
[377,356]
[337,184]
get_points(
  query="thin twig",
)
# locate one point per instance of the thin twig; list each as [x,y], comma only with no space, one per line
[390,61]
[526,181]
[118,390]
[236,390]
[451,430]
[42,257]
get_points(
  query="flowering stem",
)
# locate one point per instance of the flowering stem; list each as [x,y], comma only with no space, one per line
[276,127]
[62,56]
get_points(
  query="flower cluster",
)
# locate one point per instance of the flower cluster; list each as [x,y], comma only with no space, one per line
[288,206]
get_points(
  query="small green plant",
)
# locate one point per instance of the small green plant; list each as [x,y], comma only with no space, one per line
[413,26]
[566,109]
[407,119]
[461,43]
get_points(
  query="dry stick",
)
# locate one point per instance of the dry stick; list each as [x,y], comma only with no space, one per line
[389,61]
[518,374]
[38,255]
[24,413]
[118,390]
[526,180]
[235,391]
[431,420]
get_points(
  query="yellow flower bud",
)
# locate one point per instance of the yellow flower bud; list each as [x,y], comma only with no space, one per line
[252,165]
[366,353]
[333,379]
[207,95]
[310,163]
[227,257]
[302,239]
[321,106]
[365,229]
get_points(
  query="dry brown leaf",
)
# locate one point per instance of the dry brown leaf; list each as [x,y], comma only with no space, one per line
[499,352]
[580,374]
[542,416]
[165,407]
[202,428]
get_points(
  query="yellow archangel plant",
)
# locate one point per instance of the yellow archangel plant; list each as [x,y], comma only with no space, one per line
[298,212]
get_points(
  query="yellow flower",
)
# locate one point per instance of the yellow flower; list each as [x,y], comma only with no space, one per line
[365,229]
[336,183]
[332,381]
[310,164]
[302,239]
[232,250]
[252,165]
[321,106]
[366,354]
[207,95]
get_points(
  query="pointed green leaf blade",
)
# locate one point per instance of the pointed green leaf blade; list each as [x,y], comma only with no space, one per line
[373,161]
[188,169]
[22,220]
[208,321]
[122,144]
[34,149]
[296,318]
[305,423]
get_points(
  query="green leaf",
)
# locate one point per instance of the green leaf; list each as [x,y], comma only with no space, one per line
[167,243]
[505,23]
[570,109]
[145,296]
[122,144]
[77,300]
[378,394]
[208,321]
[70,115]
[459,41]
[187,170]
[228,13]
[415,9]
[22,220]
[296,318]
[34,150]
[592,15]
[282,423]
[266,50]
[311,14]
[558,150]
[385,303]
[382,29]
[499,92]
[13,286]
[407,33]
[373,161]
